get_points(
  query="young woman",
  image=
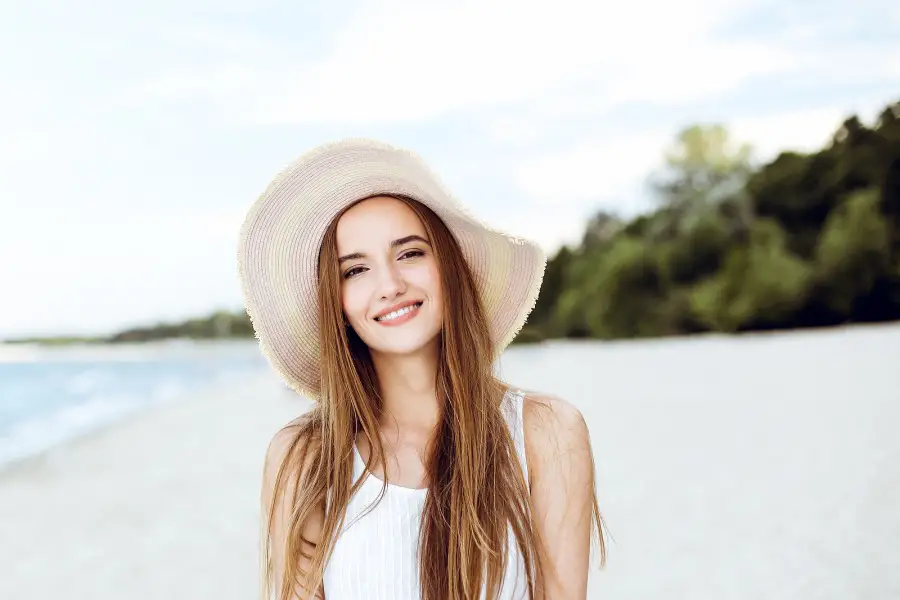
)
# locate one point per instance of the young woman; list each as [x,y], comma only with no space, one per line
[417,473]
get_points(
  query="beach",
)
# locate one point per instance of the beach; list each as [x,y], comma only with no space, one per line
[763,466]
[164,505]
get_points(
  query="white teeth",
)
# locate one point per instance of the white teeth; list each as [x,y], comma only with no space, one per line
[399,313]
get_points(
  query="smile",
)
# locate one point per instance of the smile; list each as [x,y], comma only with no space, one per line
[400,316]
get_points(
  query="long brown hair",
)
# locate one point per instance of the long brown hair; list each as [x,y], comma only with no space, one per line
[476,488]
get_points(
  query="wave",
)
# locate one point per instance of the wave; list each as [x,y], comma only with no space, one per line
[40,432]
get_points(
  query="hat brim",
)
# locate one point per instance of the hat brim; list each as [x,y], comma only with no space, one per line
[280,238]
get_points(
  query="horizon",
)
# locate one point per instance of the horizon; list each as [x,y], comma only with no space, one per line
[136,141]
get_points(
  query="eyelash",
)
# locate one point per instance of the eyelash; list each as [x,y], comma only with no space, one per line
[349,273]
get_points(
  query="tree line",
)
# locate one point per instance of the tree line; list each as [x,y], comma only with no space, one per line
[805,240]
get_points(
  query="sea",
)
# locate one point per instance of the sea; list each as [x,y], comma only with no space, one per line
[50,395]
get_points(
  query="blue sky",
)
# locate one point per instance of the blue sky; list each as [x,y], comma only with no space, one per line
[133,139]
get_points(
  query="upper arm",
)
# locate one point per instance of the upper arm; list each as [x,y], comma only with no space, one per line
[279,530]
[562,491]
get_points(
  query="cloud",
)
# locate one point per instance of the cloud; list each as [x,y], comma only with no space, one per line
[551,228]
[219,40]
[400,62]
[81,274]
[609,172]
[590,171]
[806,130]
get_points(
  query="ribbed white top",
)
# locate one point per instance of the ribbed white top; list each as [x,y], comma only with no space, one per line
[375,556]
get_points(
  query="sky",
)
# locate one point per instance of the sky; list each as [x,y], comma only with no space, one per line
[135,136]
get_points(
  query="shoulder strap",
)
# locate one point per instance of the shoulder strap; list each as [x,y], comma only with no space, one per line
[516,421]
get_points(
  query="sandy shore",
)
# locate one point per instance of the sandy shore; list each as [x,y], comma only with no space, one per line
[743,468]
[162,506]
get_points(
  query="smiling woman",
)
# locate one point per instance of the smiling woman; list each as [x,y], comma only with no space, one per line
[393,278]
[417,473]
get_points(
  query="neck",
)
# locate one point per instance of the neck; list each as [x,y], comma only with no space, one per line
[408,390]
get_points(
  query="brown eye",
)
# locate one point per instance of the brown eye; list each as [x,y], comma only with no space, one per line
[352,272]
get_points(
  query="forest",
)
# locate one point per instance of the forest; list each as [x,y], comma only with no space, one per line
[806,240]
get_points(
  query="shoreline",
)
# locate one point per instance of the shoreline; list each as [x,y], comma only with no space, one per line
[45,457]
[262,376]
[9,349]
[157,500]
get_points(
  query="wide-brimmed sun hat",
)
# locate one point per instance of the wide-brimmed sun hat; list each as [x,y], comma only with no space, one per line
[281,235]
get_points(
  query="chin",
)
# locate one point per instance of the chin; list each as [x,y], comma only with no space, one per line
[404,344]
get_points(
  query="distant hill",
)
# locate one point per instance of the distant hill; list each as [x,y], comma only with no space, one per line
[219,325]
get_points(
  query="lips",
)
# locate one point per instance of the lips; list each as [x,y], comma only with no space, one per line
[414,304]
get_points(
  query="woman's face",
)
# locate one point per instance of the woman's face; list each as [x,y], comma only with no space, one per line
[390,283]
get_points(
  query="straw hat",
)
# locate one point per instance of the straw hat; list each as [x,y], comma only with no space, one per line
[282,232]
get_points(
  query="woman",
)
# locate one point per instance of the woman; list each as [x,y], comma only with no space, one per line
[417,473]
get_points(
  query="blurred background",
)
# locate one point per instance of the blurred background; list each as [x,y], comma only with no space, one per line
[717,187]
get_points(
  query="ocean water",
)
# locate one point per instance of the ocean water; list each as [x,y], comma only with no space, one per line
[51,395]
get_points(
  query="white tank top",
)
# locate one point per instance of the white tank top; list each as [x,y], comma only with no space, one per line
[374,557]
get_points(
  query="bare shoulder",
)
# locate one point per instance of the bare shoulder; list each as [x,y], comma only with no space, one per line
[289,460]
[283,442]
[556,438]
[286,442]
[561,485]
[549,418]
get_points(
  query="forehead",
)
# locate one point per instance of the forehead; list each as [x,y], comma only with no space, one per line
[375,222]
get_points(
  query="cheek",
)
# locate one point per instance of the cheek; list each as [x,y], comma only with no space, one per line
[353,302]
[424,277]
[434,283]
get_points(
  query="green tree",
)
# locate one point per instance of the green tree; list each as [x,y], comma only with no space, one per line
[761,284]
[853,252]
[624,293]
[553,285]
[601,229]
[698,252]
[703,168]
[800,190]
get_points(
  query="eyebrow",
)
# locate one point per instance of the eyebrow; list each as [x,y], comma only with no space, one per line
[394,244]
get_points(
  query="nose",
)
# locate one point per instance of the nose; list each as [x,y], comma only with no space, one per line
[391,283]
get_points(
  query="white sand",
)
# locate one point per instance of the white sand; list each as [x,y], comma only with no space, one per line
[163,506]
[740,468]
